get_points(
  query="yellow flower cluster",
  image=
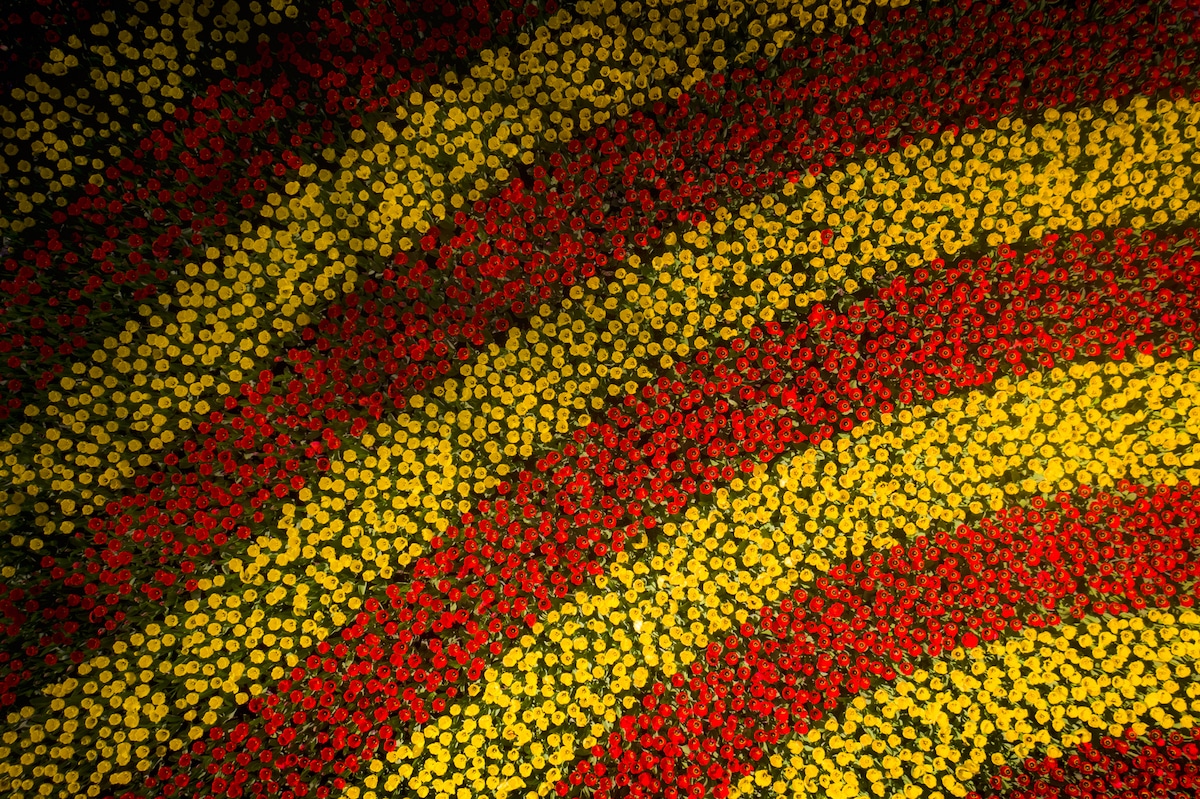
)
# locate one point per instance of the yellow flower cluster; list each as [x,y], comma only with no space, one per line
[578,71]
[1103,167]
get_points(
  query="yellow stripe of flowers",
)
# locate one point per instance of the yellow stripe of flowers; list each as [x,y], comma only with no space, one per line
[383,501]
[518,399]
[767,240]
[934,200]
[577,71]
[433,462]
[1043,434]
[764,231]
[154,54]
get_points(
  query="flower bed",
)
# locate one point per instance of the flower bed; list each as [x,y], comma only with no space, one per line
[607,400]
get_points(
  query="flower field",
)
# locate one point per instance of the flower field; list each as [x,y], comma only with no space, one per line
[662,399]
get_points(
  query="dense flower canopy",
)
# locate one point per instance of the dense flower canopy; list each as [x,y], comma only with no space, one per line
[648,399]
